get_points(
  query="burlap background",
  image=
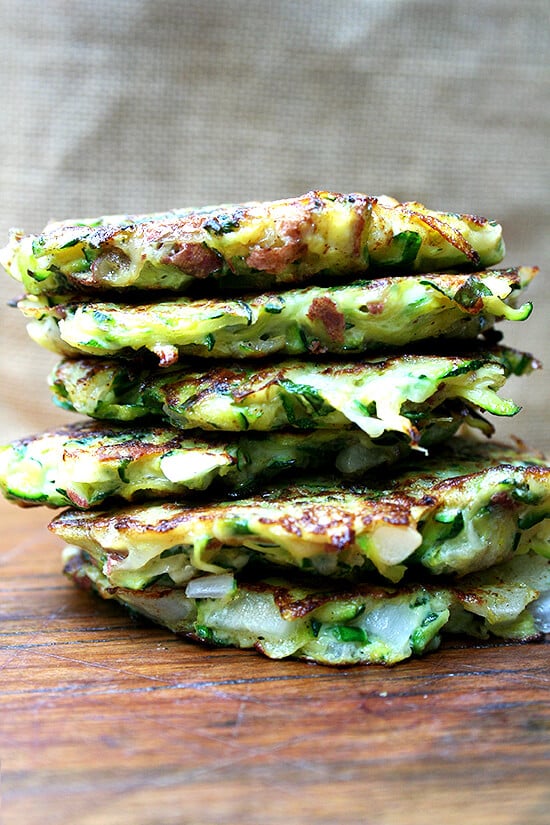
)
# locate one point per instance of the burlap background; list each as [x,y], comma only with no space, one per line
[122,105]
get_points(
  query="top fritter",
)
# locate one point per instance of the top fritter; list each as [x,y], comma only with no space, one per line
[251,246]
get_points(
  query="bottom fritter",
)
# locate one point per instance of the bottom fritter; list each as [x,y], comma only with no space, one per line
[334,625]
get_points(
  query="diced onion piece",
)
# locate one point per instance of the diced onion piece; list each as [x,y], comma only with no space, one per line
[166,353]
[210,587]
[325,564]
[497,605]
[393,623]
[113,265]
[358,459]
[540,610]
[191,465]
[392,544]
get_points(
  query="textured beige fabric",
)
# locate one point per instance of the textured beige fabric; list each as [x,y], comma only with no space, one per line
[122,105]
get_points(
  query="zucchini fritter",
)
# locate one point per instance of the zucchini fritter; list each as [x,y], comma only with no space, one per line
[377,395]
[252,245]
[353,318]
[331,625]
[87,463]
[466,508]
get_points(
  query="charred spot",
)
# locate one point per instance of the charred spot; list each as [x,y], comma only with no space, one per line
[455,482]
[475,219]
[123,450]
[291,609]
[151,592]
[334,525]
[224,222]
[89,367]
[129,520]
[196,386]
[288,605]
[223,378]
[293,606]
[316,199]
[448,233]
[393,508]
[261,383]
[398,518]
[104,234]
[427,501]
[472,597]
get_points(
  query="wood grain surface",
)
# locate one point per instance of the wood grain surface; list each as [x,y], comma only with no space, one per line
[105,720]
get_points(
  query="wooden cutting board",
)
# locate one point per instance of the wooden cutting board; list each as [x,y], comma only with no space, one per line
[105,720]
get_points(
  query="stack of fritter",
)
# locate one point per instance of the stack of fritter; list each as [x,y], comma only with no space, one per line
[277,391]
